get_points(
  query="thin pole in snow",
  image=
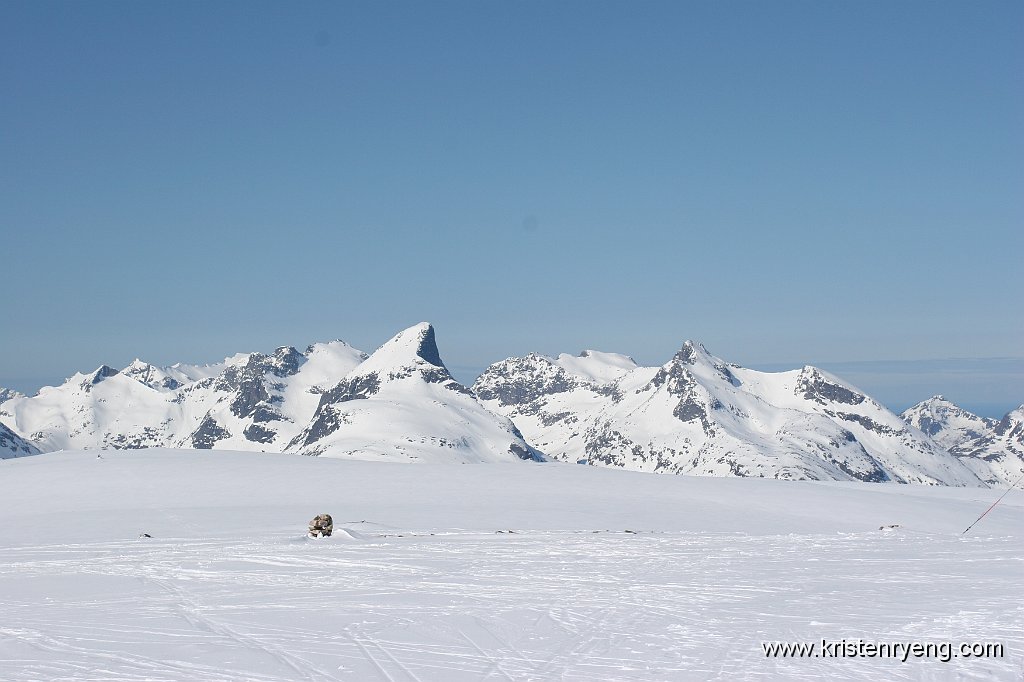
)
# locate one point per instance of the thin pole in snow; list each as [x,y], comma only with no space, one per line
[994,504]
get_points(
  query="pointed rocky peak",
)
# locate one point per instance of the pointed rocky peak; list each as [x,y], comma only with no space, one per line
[947,423]
[408,348]
[412,353]
[938,408]
[150,375]
[821,387]
[937,403]
[690,353]
[1012,425]
[286,361]
[103,372]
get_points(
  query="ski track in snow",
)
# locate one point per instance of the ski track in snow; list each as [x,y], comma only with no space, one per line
[544,605]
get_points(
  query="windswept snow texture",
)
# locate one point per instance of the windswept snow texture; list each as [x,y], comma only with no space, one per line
[700,415]
[606,575]
[329,400]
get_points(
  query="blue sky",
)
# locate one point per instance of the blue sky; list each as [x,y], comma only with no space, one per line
[788,182]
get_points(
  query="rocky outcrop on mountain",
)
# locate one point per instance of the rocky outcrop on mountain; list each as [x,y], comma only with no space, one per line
[13,445]
[8,394]
[700,415]
[250,401]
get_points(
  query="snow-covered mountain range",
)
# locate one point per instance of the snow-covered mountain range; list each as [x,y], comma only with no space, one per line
[334,400]
[696,414]
[993,449]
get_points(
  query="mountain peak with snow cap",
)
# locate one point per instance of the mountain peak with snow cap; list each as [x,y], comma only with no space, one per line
[947,423]
[690,352]
[401,403]
[101,373]
[409,347]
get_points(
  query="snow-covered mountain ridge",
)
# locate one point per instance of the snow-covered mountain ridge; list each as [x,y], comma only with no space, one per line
[696,414]
[399,403]
[993,449]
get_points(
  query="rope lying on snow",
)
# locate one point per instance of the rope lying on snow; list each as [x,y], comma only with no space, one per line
[994,504]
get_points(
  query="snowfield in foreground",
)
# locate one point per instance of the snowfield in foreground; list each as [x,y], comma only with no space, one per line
[608,575]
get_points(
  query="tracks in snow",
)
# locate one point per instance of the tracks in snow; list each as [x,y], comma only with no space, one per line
[525,606]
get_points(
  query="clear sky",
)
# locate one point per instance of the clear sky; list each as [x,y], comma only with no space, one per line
[788,182]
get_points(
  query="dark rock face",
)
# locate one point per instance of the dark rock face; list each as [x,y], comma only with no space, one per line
[526,453]
[428,347]
[264,413]
[687,355]
[328,420]
[148,437]
[521,380]
[356,388]
[258,434]
[933,427]
[867,422]
[99,375]
[208,433]
[251,390]
[14,445]
[688,410]
[813,386]
[102,373]
[603,443]
[1008,427]
[676,379]
[286,361]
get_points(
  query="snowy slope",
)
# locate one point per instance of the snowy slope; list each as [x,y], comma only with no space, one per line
[609,575]
[11,444]
[699,415]
[403,400]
